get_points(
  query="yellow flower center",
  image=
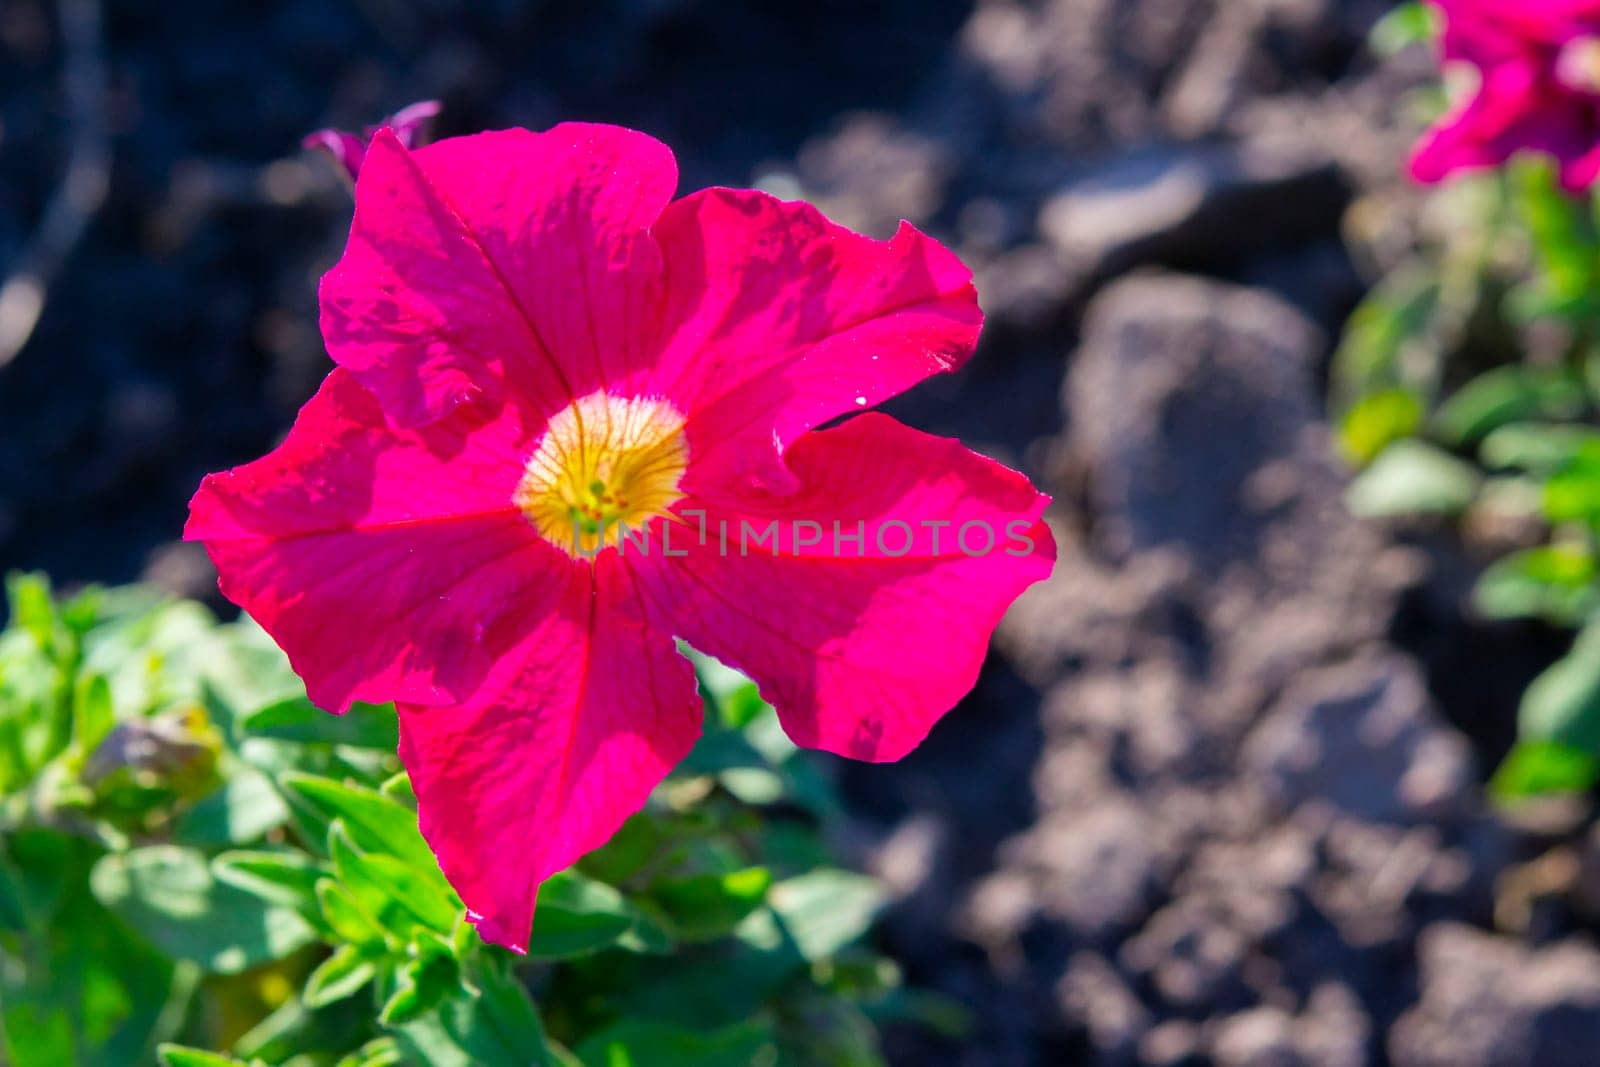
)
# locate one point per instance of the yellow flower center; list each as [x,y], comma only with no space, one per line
[605,467]
[1578,65]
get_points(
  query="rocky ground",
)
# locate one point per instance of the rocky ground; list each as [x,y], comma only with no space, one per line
[1218,798]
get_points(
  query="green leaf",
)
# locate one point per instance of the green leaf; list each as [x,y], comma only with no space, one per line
[339,976]
[167,893]
[422,984]
[397,895]
[1413,22]
[1563,237]
[827,910]
[346,918]
[1563,703]
[1413,478]
[1388,335]
[28,596]
[643,1043]
[180,1056]
[379,1052]
[1378,420]
[1555,582]
[288,878]
[577,916]
[707,906]
[297,719]
[375,822]
[244,809]
[1537,447]
[92,717]
[497,1028]
[1506,395]
[735,697]
[1572,494]
[1540,768]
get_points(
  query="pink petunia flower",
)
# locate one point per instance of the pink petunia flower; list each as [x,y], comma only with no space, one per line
[409,125]
[1537,67]
[573,419]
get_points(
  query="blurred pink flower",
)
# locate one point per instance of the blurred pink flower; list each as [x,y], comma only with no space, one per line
[535,345]
[348,150]
[1537,64]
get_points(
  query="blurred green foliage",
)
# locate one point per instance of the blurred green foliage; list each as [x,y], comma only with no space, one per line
[1467,388]
[193,857]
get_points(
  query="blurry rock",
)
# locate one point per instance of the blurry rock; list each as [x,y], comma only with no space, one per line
[1192,955]
[1172,1043]
[1333,1029]
[1096,869]
[1193,205]
[1094,995]
[1027,288]
[1365,738]
[873,172]
[1260,1037]
[182,569]
[1488,1002]
[1181,392]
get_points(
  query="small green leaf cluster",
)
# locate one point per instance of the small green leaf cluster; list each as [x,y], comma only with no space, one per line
[193,858]
[1466,389]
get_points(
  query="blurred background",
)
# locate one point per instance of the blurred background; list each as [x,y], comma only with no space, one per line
[1219,795]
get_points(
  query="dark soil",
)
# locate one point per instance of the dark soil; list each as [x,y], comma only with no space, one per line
[1218,796]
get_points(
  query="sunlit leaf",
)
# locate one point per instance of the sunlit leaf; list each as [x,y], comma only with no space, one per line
[1413,478]
[1555,582]
[1506,395]
[826,910]
[1563,704]
[168,894]
[1539,768]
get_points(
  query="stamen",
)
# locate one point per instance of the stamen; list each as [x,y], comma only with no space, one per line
[605,467]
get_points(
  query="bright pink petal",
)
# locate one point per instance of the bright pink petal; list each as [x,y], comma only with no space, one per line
[389,564]
[565,217]
[778,320]
[564,742]
[860,646]
[508,262]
